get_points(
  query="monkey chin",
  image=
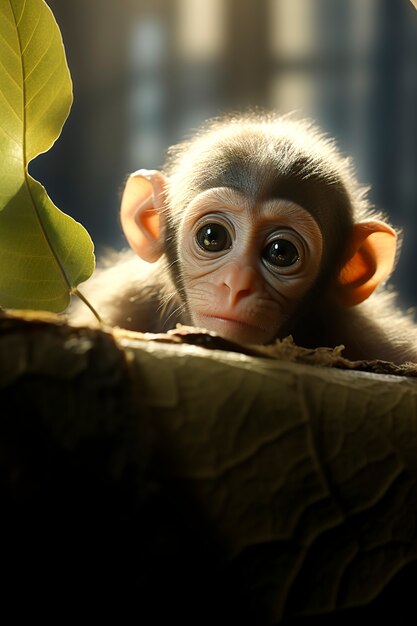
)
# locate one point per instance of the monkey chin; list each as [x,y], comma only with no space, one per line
[234,329]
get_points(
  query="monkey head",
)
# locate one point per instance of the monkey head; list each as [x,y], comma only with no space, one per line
[260,219]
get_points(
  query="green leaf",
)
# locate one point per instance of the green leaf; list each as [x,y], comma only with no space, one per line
[44,254]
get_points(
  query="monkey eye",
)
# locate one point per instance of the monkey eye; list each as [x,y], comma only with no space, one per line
[213,238]
[281,253]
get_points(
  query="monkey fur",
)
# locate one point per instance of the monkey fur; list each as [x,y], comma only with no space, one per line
[265,157]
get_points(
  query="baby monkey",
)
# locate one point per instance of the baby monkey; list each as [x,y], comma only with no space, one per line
[256,229]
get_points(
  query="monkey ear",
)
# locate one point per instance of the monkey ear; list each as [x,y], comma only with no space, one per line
[373,248]
[141,213]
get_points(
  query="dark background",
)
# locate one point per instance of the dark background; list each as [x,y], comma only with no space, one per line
[147,72]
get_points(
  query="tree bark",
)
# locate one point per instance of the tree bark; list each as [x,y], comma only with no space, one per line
[158,478]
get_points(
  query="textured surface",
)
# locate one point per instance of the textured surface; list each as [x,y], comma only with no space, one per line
[315,469]
[212,486]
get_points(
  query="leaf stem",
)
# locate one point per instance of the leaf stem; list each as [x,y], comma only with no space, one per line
[78,293]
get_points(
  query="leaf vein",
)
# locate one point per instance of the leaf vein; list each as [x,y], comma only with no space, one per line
[5,132]
[10,75]
[38,62]
[9,46]
[11,108]
[43,112]
[50,244]
[42,87]
[37,281]
[8,18]
[32,34]
[22,255]
[21,15]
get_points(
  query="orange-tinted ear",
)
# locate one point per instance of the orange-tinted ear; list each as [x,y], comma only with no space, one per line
[141,213]
[372,258]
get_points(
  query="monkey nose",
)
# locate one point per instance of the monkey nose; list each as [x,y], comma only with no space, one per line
[241,281]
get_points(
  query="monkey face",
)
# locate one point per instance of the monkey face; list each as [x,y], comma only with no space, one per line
[246,266]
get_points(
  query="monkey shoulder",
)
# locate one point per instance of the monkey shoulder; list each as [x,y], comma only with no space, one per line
[397,329]
[129,293]
[376,329]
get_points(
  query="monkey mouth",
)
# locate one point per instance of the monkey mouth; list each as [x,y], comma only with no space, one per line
[233,320]
[235,328]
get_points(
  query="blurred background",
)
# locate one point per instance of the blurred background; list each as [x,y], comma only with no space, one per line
[147,72]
